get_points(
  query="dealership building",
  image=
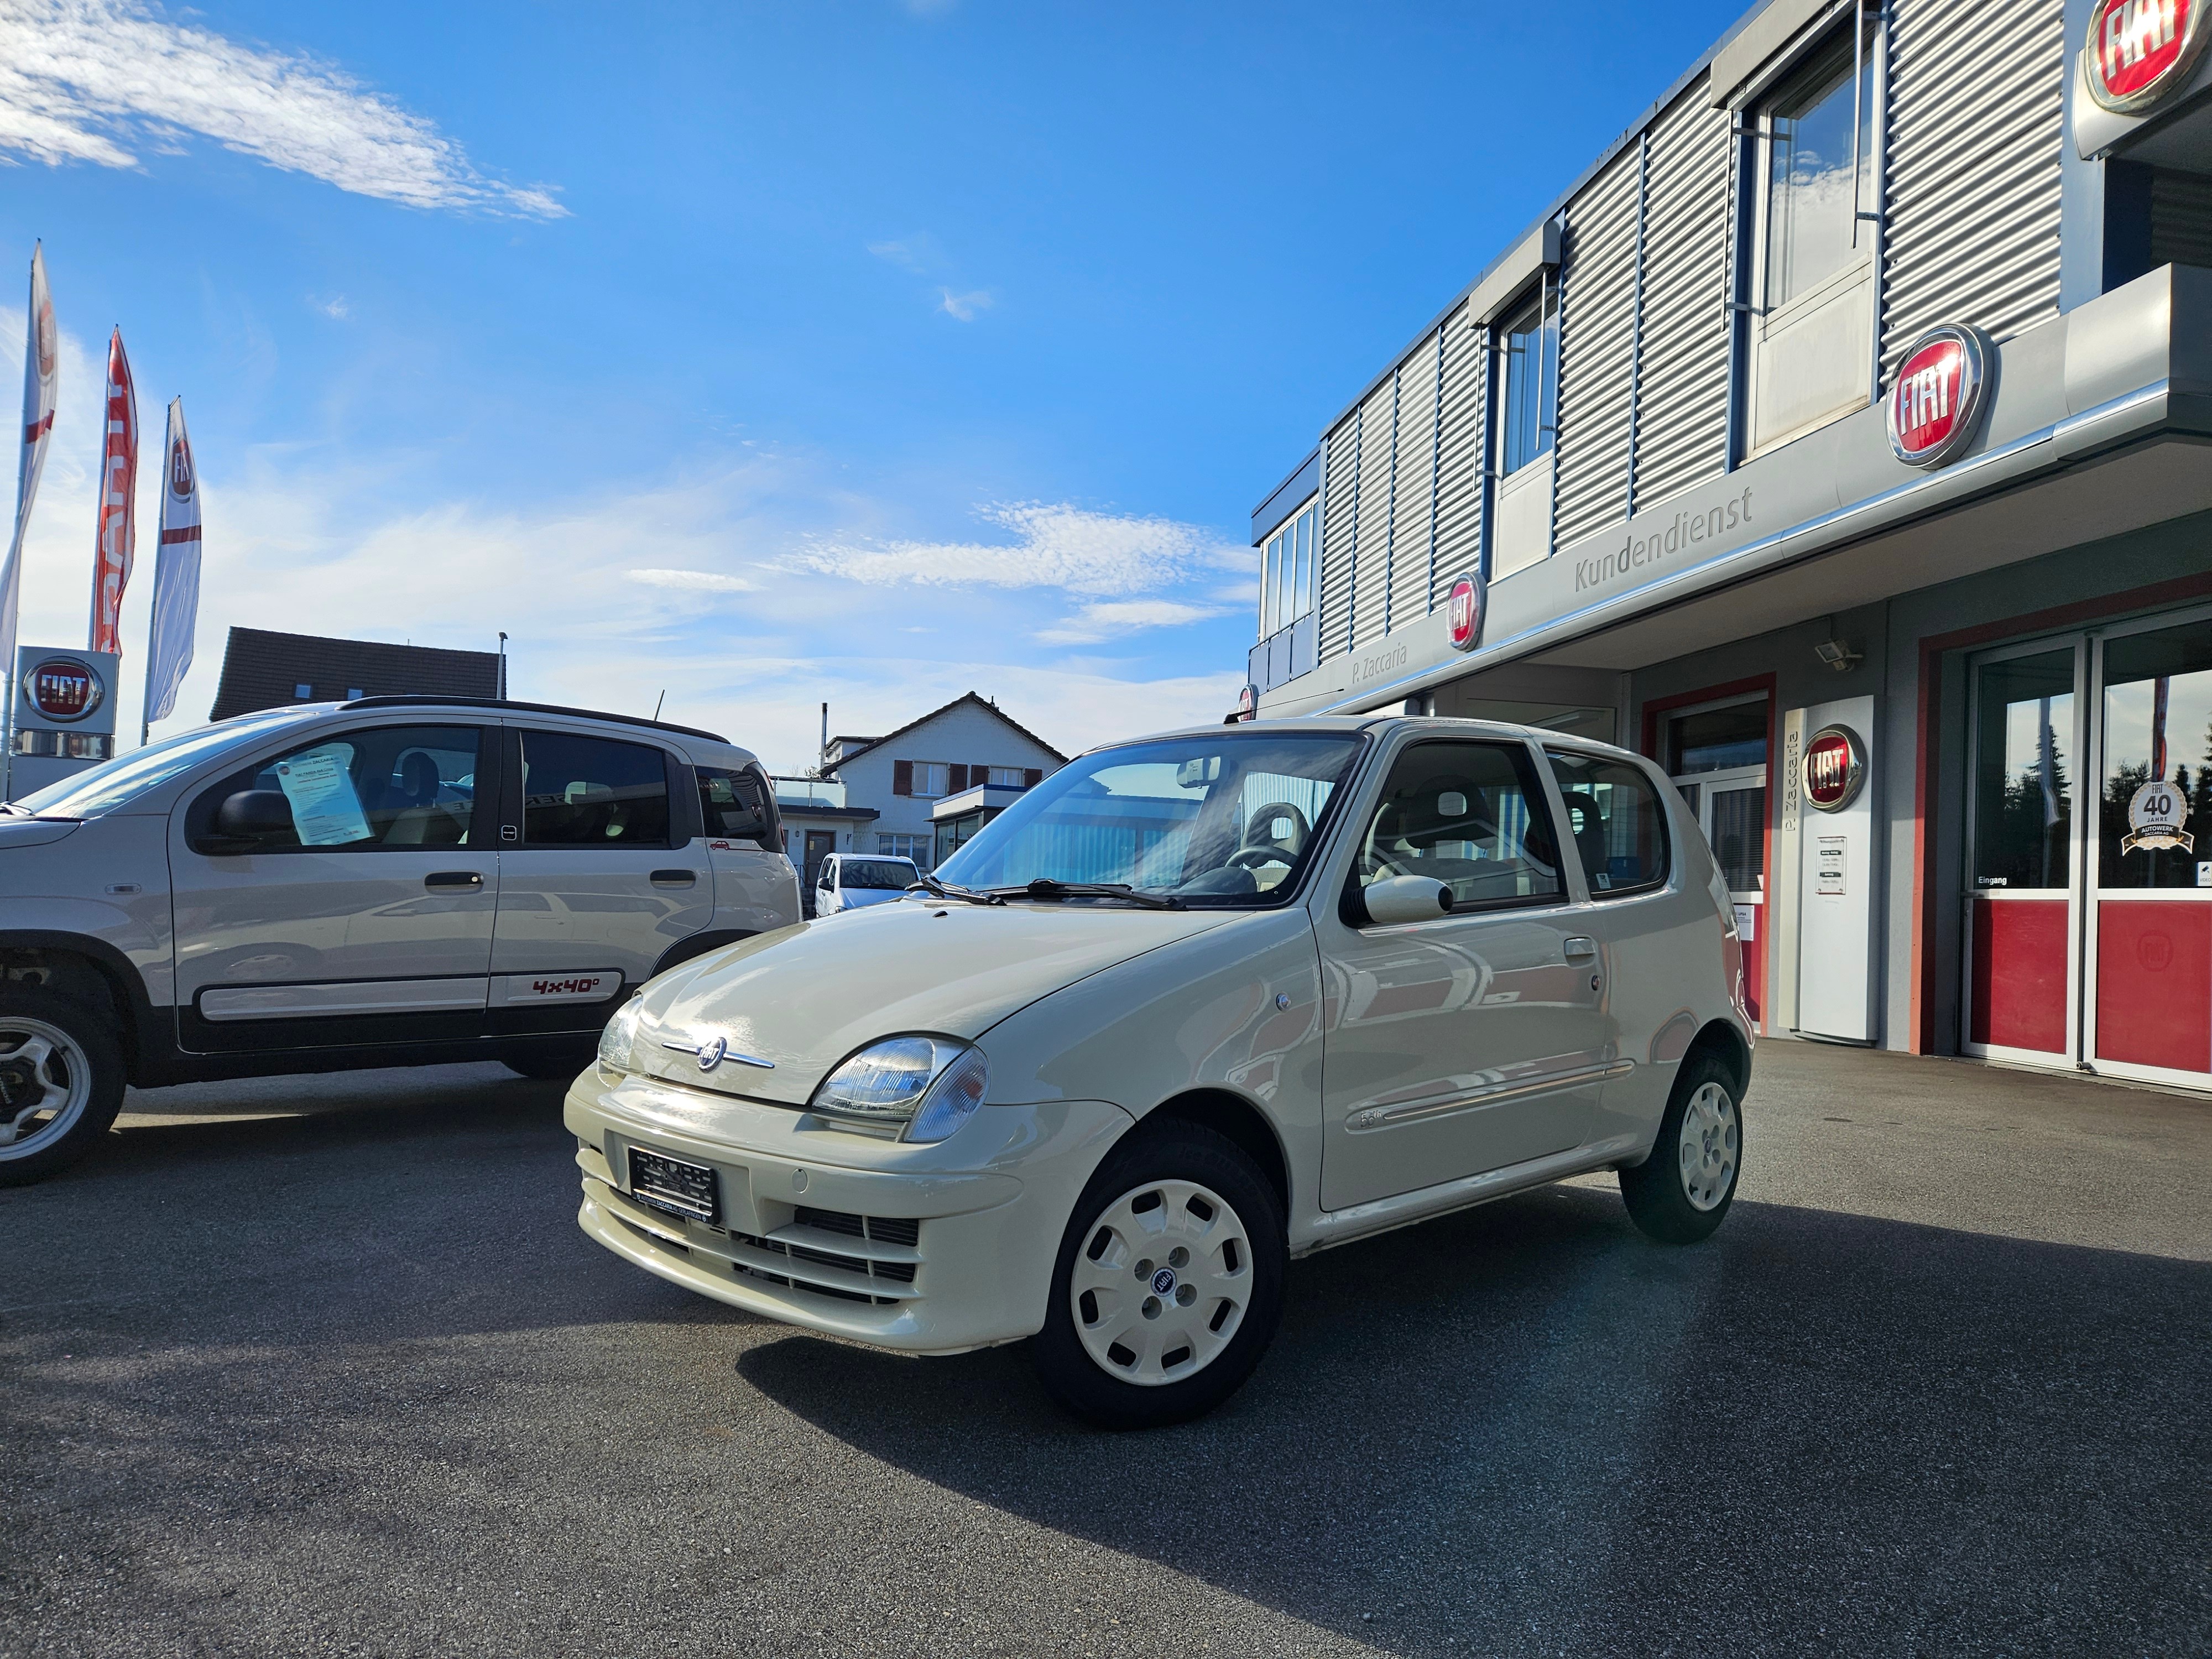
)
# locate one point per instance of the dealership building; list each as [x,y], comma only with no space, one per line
[1837,440]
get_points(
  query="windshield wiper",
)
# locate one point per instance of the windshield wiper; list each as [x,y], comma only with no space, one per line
[1044,887]
[937,889]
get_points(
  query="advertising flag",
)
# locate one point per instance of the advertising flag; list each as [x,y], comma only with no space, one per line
[176,573]
[118,537]
[41,369]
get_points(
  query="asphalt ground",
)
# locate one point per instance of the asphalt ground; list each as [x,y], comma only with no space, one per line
[307,1366]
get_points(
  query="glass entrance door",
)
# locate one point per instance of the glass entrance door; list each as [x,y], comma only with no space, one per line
[2088,936]
[1717,758]
[2149,950]
[2021,922]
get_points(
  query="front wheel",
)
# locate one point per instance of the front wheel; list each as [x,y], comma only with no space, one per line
[1169,1284]
[1679,1195]
[61,1081]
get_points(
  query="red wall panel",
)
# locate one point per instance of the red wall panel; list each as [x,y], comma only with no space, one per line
[2155,984]
[2020,973]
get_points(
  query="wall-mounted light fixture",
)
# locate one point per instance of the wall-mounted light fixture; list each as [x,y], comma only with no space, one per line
[1837,655]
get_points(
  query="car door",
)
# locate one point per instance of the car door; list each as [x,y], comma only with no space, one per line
[1642,924]
[828,898]
[1477,1039]
[361,909]
[755,889]
[601,870]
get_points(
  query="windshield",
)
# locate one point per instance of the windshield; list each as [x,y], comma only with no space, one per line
[104,787]
[893,875]
[1225,820]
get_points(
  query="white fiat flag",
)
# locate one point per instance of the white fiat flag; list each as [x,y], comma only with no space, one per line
[41,366]
[117,542]
[176,573]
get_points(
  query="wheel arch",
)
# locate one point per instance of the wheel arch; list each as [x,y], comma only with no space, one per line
[76,964]
[1236,1121]
[1726,1044]
[697,945]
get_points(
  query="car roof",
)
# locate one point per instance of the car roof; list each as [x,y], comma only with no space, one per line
[696,744]
[1382,726]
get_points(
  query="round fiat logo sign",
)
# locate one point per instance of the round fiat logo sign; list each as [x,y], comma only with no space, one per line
[1463,612]
[1835,766]
[64,690]
[2139,51]
[1247,704]
[1935,407]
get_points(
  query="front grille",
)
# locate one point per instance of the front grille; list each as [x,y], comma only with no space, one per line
[874,1229]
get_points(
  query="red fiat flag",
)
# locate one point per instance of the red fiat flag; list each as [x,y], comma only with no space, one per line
[118,495]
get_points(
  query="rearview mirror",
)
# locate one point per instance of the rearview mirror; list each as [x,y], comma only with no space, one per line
[1405,898]
[252,813]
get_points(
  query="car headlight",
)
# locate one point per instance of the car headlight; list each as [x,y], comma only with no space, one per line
[925,1087]
[620,1038]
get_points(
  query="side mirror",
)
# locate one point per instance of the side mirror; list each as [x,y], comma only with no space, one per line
[251,814]
[1405,898]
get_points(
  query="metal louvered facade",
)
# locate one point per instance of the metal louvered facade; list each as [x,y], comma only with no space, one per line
[1371,577]
[1682,340]
[1339,546]
[1413,514]
[1597,349]
[1459,450]
[1972,194]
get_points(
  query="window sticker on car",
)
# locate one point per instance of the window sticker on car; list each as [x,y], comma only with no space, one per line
[326,811]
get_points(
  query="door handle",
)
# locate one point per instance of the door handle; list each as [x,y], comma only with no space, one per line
[675,877]
[1580,945]
[450,879]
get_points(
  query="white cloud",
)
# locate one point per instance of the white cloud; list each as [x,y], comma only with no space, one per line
[335,307]
[696,581]
[1118,616]
[1060,546]
[82,80]
[918,253]
[965,306]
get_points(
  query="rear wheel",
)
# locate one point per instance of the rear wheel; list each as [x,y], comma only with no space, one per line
[1679,1195]
[61,1081]
[1169,1282]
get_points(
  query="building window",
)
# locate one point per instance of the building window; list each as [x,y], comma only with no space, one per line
[916,848]
[1288,570]
[1529,409]
[1008,777]
[1813,324]
[932,779]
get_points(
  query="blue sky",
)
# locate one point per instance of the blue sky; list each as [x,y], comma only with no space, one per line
[868,352]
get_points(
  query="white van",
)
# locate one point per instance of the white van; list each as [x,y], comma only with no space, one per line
[386,881]
[854,881]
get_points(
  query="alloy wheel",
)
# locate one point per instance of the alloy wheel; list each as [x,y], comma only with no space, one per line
[45,1083]
[1161,1284]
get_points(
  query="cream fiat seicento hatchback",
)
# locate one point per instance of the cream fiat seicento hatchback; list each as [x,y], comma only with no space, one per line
[1192,1006]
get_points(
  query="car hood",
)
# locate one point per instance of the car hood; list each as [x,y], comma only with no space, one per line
[34,832]
[805,997]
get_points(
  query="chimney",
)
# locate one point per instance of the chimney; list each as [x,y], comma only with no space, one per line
[825,731]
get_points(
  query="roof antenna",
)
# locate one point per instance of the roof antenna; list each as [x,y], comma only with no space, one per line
[658,701]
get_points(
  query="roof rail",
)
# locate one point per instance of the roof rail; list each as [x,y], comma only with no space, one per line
[532,708]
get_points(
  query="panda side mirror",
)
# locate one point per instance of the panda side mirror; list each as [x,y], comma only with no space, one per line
[1398,899]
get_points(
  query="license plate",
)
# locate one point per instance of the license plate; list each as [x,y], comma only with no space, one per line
[670,1184]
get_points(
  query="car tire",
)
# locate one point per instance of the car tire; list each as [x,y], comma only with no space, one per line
[1178,1245]
[1679,1195]
[61,1081]
[558,1066]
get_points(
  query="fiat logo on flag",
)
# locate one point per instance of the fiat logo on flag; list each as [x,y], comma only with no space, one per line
[1463,612]
[2139,51]
[1835,766]
[180,469]
[64,690]
[1936,406]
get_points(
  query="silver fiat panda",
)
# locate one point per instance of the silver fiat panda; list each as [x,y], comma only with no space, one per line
[390,881]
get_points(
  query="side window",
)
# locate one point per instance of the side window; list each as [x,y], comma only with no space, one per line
[401,787]
[1616,822]
[1472,815]
[590,792]
[731,803]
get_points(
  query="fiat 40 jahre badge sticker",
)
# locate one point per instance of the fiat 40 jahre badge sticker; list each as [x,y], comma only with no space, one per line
[2155,815]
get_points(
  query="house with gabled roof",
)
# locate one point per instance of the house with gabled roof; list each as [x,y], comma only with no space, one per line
[927,786]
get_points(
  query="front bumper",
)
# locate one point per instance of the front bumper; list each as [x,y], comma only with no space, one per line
[970,1227]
